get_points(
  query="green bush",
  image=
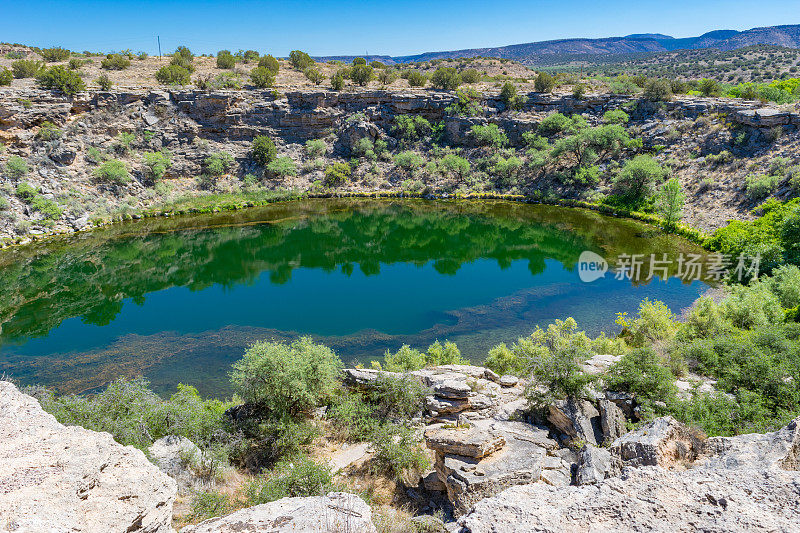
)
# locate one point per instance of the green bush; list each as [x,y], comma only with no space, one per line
[754,306]
[642,373]
[470,75]
[658,91]
[61,79]
[53,55]
[104,82]
[416,78]
[409,160]
[510,96]
[26,68]
[637,179]
[554,123]
[361,74]
[758,186]
[184,58]
[300,60]
[709,87]
[263,150]
[398,453]
[123,141]
[210,503]
[544,83]
[446,79]
[387,76]
[316,147]
[489,135]
[337,174]
[156,164]
[112,171]
[292,477]
[26,192]
[359,61]
[314,75]
[6,77]
[225,60]
[48,132]
[337,81]
[411,128]
[616,116]
[262,77]
[47,208]
[282,167]
[292,378]
[455,165]
[16,167]
[270,63]
[115,62]
[173,75]
[398,398]
[654,323]
[218,164]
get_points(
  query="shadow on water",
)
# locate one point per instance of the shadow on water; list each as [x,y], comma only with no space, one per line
[180,299]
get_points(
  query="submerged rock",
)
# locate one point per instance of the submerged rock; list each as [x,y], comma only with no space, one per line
[66,478]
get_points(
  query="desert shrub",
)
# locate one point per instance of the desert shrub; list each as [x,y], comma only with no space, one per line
[112,171]
[226,80]
[26,192]
[364,148]
[622,85]
[397,452]
[411,128]
[637,179]
[387,76]
[61,79]
[706,319]
[407,358]
[270,63]
[156,164]
[752,306]
[709,87]
[225,59]
[316,147]
[300,60]
[104,82]
[554,123]
[291,378]
[642,373]
[658,91]
[173,75]
[489,135]
[115,62]
[53,55]
[361,74]
[408,160]
[785,284]
[262,77]
[615,116]
[416,78]
[183,57]
[337,81]
[510,96]
[544,83]
[337,174]
[655,322]
[359,61]
[218,164]
[397,398]
[719,414]
[669,202]
[759,186]
[48,131]
[210,503]
[314,75]
[446,78]
[282,167]
[263,150]
[122,142]
[506,169]
[534,141]
[467,103]
[16,167]
[470,75]
[26,68]
[6,76]
[293,477]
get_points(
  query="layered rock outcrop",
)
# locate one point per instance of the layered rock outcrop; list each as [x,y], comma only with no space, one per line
[56,478]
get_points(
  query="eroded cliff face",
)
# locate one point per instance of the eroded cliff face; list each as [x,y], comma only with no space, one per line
[191,125]
[67,478]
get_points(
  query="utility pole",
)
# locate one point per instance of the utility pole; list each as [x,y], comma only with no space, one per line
[159,46]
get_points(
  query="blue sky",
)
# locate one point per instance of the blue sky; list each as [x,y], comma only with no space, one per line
[349,27]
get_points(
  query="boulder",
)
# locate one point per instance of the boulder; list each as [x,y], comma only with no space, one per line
[469,442]
[336,512]
[612,420]
[779,449]
[578,419]
[67,478]
[594,465]
[170,453]
[663,442]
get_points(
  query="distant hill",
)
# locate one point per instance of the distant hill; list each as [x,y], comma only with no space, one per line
[787,36]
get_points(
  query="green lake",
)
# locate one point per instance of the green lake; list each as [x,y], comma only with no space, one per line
[179,299]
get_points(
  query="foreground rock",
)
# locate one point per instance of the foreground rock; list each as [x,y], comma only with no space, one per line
[334,513]
[56,478]
[745,483]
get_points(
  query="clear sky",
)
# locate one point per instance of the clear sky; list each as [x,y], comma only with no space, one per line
[401,27]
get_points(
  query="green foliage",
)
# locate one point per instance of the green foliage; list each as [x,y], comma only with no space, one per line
[415,78]
[184,58]
[759,186]
[48,131]
[115,62]
[314,75]
[361,74]
[467,103]
[210,503]
[224,80]
[489,135]
[270,63]
[408,359]
[282,167]
[387,76]
[359,61]
[293,477]
[316,147]
[709,87]
[300,60]
[225,59]
[753,306]
[337,174]
[364,148]
[263,150]
[446,78]
[6,77]
[156,164]
[112,171]
[26,192]
[510,96]
[655,322]
[292,378]
[616,116]
[218,164]
[104,82]
[53,55]
[637,179]
[506,169]
[26,68]
[262,77]
[61,79]
[408,160]
[173,75]
[470,75]
[554,123]
[397,451]
[658,91]
[544,83]
[455,165]
[337,80]
[642,373]
[123,141]
[669,202]
[411,128]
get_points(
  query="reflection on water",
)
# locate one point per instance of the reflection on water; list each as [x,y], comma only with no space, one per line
[179,299]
